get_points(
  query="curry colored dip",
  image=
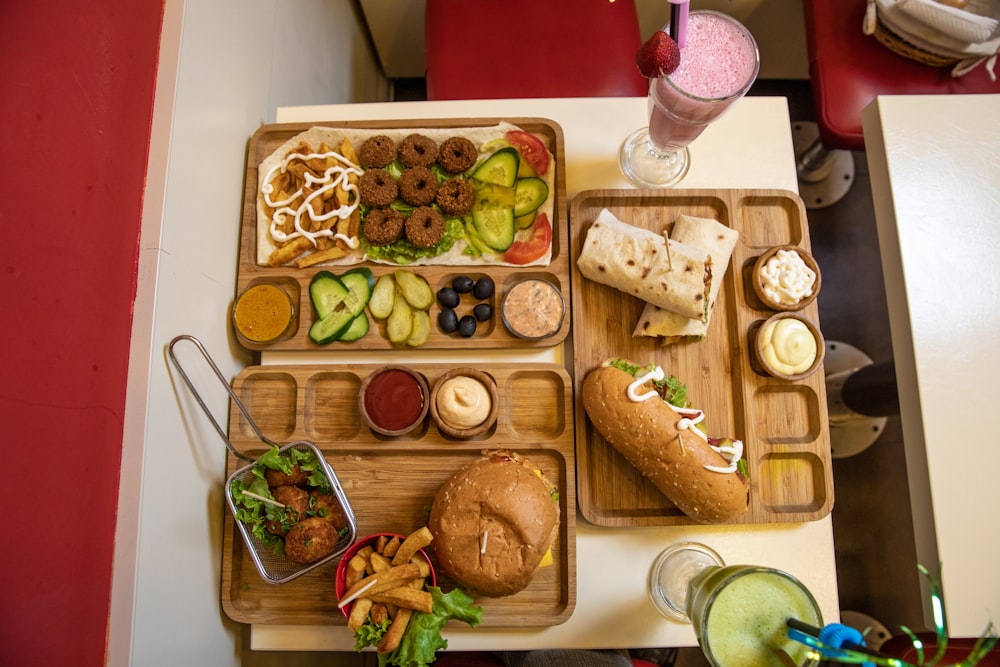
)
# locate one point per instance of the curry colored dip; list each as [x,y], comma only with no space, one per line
[262,313]
[533,308]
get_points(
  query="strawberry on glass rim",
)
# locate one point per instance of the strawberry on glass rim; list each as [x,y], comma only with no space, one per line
[525,252]
[531,149]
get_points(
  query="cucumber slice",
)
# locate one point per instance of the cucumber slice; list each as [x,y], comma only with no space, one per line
[328,293]
[399,326]
[489,195]
[421,329]
[499,168]
[495,227]
[330,328]
[414,289]
[529,195]
[526,220]
[357,329]
[360,282]
[383,296]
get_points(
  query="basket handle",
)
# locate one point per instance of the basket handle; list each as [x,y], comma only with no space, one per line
[225,383]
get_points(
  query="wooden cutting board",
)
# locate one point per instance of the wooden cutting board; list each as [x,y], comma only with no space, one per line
[783,424]
[390,482]
[295,282]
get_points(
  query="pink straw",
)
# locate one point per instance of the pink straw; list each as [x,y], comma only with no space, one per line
[678,21]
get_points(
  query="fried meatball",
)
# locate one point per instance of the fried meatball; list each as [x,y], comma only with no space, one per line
[457,154]
[326,506]
[418,150]
[376,152]
[296,502]
[377,188]
[418,186]
[424,227]
[383,226]
[297,477]
[310,540]
[456,196]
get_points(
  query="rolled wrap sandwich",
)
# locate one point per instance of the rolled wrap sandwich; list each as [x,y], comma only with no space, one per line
[642,414]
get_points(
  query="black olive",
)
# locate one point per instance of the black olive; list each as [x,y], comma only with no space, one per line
[483,311]
[462,284]
[467,326]
[447,297]
[483,288]
[448,320]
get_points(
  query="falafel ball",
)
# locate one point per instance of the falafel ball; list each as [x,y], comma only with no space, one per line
[457,154]
[418,186]
[383,226]
[418,150]
[326,506]
[377,188]
[297,477]
[377,152]
[296,504]
[456,196]
[310,540]
[424,227]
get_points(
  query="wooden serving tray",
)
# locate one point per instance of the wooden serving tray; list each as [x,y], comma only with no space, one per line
[391,482]
[489,335]
[783,424]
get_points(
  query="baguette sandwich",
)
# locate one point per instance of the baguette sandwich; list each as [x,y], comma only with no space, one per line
[643,414]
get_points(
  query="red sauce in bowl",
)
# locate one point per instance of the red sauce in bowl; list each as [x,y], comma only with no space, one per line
[394,400]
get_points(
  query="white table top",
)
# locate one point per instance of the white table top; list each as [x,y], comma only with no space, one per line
[750,147]
[936,182]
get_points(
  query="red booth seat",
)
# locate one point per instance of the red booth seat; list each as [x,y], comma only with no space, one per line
[848,69]
[491,49]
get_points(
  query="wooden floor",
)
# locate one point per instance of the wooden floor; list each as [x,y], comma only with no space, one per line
[876,566]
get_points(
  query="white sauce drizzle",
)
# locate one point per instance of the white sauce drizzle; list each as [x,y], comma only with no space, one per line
[690,418]
[335,176]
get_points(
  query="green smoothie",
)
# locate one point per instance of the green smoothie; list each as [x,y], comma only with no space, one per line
[739,613]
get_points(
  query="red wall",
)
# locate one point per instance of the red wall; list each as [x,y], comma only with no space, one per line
[75,117]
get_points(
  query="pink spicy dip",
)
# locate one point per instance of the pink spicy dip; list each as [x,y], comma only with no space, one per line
[394,400]
[533,308]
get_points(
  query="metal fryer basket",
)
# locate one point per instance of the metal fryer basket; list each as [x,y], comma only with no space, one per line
[273,568]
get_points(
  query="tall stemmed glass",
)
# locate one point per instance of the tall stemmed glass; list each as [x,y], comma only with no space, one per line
[719,62]
[739,612]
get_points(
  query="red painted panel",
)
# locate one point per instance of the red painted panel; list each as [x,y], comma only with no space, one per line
[74,126]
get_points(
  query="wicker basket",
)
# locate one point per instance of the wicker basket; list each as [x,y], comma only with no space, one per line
[892,41]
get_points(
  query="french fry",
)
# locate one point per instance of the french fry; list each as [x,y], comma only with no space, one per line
[359,613]
[289,251]
[333,252]
[379,613]
[413,543]
[391,547]
[355,570]
[392,636]
[377,562]
[406,598]
[395,576]
[421,562]
[380,543]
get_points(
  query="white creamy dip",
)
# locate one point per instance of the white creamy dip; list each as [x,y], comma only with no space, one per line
[786,279]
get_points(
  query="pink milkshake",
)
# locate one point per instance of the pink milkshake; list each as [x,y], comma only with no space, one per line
[719,63]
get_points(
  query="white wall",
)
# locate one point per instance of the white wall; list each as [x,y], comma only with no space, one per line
[224,67]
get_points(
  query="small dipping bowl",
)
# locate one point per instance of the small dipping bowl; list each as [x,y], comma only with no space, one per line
[791,331]
[340,580]
[263,313]
[533,309]
[758,282]
[445,385]
[393,400]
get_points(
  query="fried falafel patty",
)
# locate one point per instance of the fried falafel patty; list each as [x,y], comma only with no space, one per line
[297,477]
[383,226]
[456,196]
[376,152]
[377,188]
[296,504]
[310,540]
[418,186]
[418,150]
[457,154]
[424,227]
[326,506]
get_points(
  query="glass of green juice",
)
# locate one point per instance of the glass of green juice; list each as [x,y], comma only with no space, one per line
[739,612]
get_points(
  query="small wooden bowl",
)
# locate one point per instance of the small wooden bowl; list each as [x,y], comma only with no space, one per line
[813,329]
[758,286]
[366,386]
[463,433]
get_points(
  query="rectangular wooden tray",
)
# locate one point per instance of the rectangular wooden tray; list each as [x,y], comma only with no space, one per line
[295,281]
[391,482]
[783,424]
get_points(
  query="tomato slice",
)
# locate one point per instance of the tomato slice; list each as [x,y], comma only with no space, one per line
[523,252]
[531,149]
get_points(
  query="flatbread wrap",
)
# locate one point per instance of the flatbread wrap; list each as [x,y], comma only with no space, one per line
[647,265]
[719,241]
[632,408]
